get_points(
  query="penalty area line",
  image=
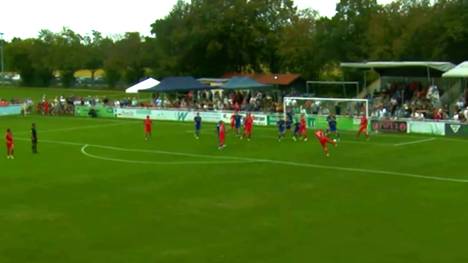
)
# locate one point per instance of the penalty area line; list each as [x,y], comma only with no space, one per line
[84,152]
[268,161]
[289,163]
[415,142]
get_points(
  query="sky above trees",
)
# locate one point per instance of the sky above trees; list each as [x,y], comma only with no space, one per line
[207,38]
[25,18]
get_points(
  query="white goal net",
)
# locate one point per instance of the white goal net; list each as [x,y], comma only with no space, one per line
[347,112]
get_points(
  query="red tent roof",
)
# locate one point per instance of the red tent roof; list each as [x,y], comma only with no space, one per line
[268,78]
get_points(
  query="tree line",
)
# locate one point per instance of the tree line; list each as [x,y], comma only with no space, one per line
[206,38]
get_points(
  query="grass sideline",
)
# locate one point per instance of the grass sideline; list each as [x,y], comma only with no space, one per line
[182,200]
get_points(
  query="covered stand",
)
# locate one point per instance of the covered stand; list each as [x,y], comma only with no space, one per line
[427,69]
[178,84]
[243,83]
[460,71]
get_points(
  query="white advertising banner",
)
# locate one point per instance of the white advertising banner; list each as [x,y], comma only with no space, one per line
[183,116]
[435,128]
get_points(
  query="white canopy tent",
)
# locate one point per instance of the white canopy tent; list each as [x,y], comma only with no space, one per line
[144,85]
[460,71]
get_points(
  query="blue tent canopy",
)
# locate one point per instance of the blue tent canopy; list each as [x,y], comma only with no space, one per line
[178,84]
[237,83]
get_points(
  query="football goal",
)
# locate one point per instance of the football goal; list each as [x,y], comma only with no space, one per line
[346,111]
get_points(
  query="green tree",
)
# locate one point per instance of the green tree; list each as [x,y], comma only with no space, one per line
[94,50]
[298,47]
[350,26]
[31,58]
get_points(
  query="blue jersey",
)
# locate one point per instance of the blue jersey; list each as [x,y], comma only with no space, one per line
[331,124]
[288,124]
[197,121]
[281,126]
[238,120]
[297,127]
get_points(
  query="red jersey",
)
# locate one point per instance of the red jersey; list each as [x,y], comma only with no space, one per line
[221,130]
[233,118]
[249,122]
[303,124]
[364,121]
[148,124]
[320,135]
[9,138]
[323,139]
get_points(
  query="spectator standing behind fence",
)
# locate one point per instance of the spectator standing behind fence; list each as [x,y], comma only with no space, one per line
[438,115]
[466,112]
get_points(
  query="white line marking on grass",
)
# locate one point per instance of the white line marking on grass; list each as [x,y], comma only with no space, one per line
[278,162]
[82,127]
[83,151]
[415,142]
[52,142]
[313,139]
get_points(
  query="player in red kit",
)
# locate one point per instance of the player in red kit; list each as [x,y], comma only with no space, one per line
[303,127]
[46,107]
[248,126]
[148,128]
[233,121]
[363,127]
[324,141]
[10,144]
[221,134]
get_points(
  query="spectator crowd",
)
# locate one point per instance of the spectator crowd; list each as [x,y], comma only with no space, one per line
[233,101]
[399,100]
[413,100]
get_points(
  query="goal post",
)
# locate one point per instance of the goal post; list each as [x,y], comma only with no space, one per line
[347,111]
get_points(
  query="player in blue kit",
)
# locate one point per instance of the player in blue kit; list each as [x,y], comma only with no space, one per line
[289,121]
[332,126]
[238,122]
[297,131]
[281,129]
[198,121]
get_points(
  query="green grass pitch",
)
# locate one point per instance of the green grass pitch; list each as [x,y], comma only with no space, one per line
[98,192]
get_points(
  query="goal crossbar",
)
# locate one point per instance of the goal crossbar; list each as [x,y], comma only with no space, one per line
[286,100]
[290,103]
[325,99]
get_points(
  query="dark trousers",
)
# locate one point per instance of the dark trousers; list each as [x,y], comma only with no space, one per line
[34,146]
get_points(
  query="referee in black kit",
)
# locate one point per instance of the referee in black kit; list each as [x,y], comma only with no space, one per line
[34,138]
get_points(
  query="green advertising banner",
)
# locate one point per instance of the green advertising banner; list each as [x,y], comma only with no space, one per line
[344,122]
[273,119]
[101,111]
[456,129]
